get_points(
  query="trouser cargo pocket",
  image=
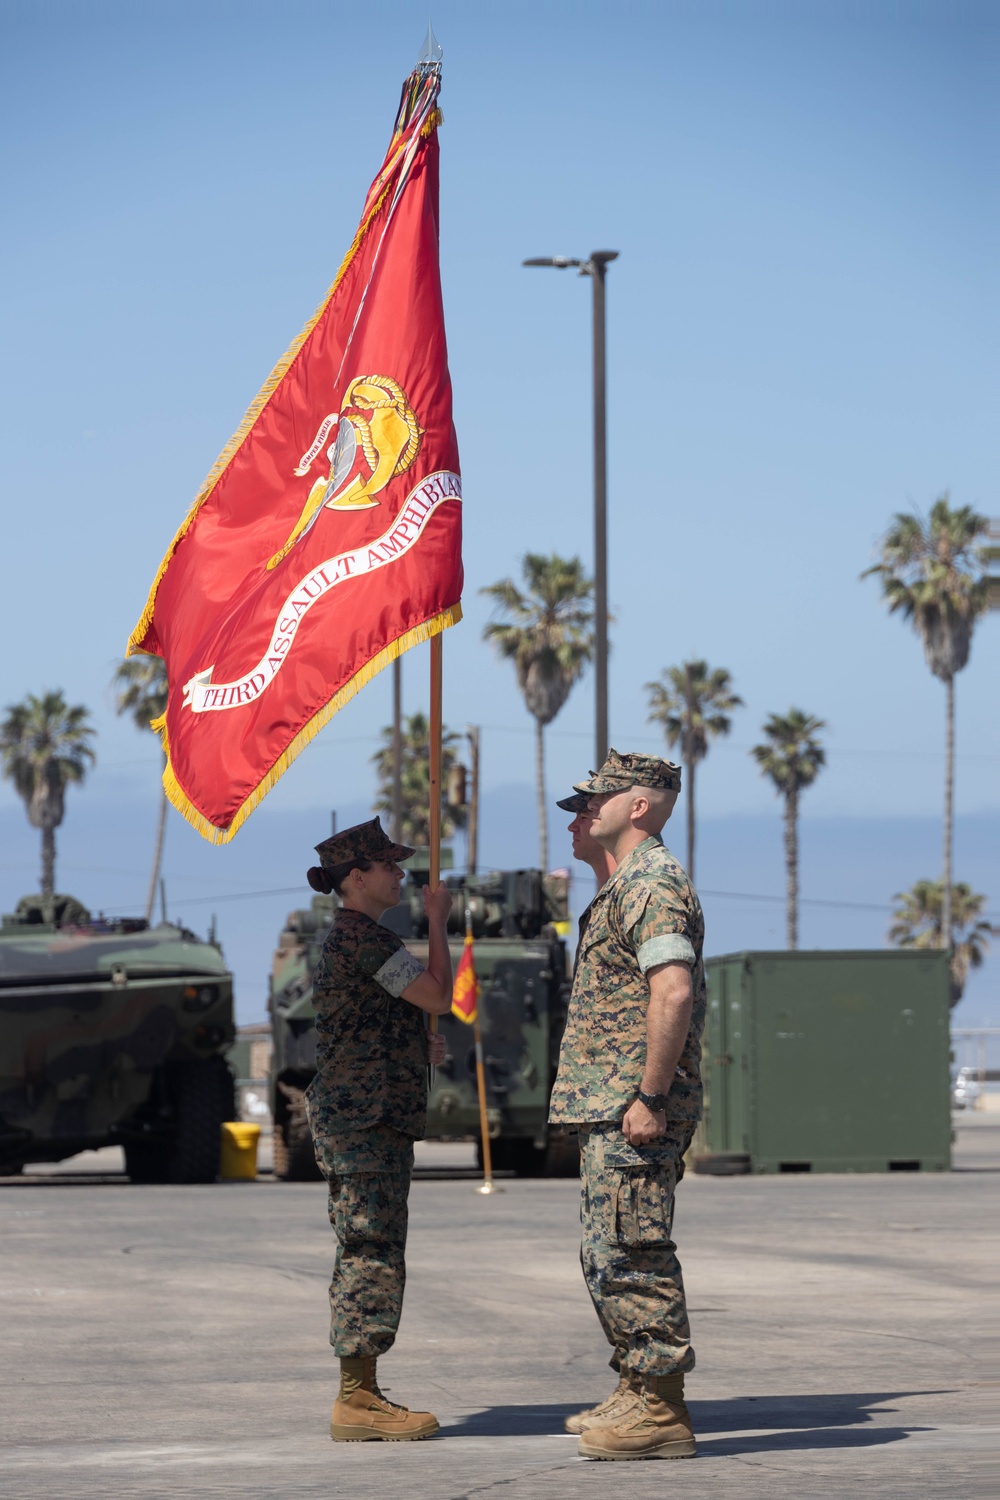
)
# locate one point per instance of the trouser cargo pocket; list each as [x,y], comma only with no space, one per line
[645,1206]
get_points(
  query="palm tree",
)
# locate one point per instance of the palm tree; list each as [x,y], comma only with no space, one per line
[918,923]
[416,780]
[932,572]
[140,684]
[693,705]
[548,635]
[44,747]
[792,757]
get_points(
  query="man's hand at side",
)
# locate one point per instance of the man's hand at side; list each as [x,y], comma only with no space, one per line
[641,1125]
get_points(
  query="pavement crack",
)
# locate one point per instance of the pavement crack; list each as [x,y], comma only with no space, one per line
[496,1484]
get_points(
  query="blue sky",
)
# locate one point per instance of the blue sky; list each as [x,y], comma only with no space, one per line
[802,341]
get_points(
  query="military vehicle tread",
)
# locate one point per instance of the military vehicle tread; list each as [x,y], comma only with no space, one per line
[279,1154]
[200,1092]
[294,1157]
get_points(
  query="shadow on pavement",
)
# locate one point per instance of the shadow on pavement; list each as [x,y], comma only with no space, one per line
[806,1438]
[841,1421]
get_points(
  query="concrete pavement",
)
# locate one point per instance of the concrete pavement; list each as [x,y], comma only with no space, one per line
[172,1341]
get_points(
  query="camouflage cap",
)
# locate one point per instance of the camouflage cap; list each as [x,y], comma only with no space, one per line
[578,803]
[363,841]
[619,772]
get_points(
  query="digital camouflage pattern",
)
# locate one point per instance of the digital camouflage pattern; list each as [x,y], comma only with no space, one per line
[619,772]
[371,1050]
[645,914]
[629,1259]
[366,1105]
[363,841]
[579,802]
[368,1174]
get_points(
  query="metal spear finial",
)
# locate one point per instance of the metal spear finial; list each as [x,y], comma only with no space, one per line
[432,52]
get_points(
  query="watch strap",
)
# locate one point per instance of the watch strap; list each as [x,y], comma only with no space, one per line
[655,1102]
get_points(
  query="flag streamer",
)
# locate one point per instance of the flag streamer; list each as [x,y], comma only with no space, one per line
[465,1005]
[465,992]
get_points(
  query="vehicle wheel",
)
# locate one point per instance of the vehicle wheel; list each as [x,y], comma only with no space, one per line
[201,1097]
[562,1155]
[279,1153]
[522,1157]
[294,1157]
[146,1161]
[501,1159]
[527,1159]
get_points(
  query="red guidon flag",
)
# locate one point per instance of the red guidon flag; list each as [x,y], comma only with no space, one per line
[465,992]
[327,538]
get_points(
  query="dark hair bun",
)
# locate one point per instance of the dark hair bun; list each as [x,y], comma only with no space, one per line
[320,880]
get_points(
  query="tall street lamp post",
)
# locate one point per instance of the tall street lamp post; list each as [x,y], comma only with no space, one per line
[596,269]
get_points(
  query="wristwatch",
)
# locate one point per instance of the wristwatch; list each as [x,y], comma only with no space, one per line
[656,1102]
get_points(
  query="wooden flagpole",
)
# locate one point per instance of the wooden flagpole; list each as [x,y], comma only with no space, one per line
[487,1185]
[435,756]
[435,781]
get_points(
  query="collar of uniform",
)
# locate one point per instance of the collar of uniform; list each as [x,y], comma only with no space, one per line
[613,878]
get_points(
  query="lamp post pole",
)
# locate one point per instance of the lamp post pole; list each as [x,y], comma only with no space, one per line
[600,518]
[596,269]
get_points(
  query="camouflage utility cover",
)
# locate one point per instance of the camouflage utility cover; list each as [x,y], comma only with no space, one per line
[619,772]
[363,841]
[646,914]
[578,803]
[371,1051]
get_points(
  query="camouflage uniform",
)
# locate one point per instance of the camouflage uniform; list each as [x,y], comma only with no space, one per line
[646,914]
[367,1104]
[368,1175]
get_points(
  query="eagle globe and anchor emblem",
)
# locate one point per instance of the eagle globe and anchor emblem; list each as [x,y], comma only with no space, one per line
[378,437]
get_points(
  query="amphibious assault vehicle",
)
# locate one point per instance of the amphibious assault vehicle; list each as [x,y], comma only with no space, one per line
[112,1033]
[518,917]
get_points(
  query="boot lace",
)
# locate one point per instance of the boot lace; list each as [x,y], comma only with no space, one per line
[381,1396]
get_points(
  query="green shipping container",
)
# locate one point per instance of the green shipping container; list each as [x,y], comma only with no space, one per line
[826,1062]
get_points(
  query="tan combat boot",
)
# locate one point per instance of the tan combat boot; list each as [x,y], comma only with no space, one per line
[611,1410]
[361,1414]
[657,1426]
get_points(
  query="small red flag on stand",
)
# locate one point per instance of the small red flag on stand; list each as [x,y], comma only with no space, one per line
[327,538]
[465,992]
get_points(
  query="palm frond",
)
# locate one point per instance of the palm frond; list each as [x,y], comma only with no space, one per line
[45,746]
[918,922]
[932,572]
[140,688]
[692,703]
[548,632]
[791,755]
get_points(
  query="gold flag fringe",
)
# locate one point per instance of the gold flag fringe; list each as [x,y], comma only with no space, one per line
[179,798]
[253,411]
